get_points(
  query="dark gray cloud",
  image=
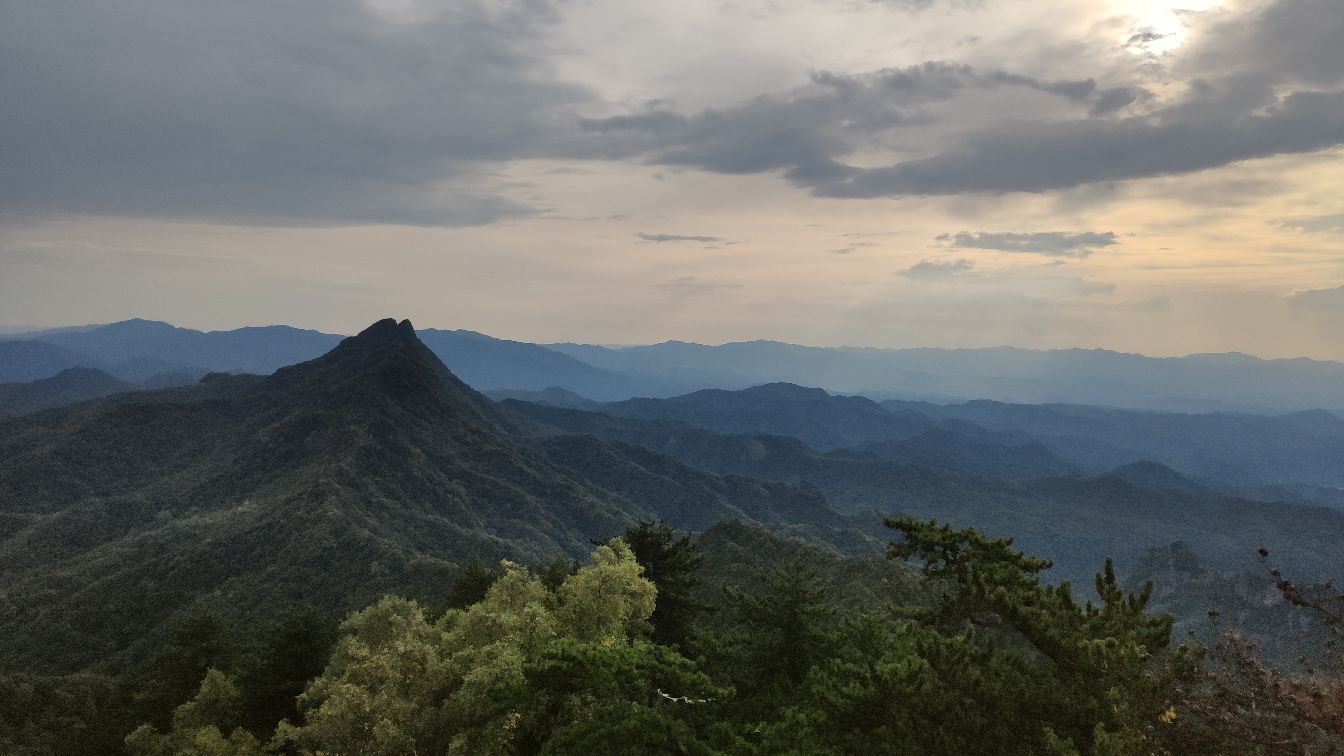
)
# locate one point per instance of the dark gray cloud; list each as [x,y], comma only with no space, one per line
[325,112]
[806,132]
[306,111]
[1261,84]
[852,247]
[1144,37]
[693,286]
[1285,42]
[660,238]
[1049,243]
[1034,157]
[937,269]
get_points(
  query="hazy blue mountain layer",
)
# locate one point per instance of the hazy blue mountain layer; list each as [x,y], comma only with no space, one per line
[1197,383]
[1075,520]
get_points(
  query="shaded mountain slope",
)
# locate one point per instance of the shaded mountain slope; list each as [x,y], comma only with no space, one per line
[1000,454]
[1076,521]
[1207,603]
[1302,448]
[66,387]
[820,420]
[825,423]
[552,395]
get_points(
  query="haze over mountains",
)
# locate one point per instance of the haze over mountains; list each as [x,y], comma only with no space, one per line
[138,350]
[1297,455]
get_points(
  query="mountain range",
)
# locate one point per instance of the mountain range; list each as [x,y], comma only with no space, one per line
[137,350]
[130,515]
[367,470]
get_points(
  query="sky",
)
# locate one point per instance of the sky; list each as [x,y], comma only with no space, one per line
[1154,176]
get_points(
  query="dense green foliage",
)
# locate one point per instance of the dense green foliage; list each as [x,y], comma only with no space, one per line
[553,659]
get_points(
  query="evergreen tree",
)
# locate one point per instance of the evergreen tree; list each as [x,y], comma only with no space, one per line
[671,562]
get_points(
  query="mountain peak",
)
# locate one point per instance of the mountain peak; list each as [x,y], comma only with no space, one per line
[386,365]
[786,390]
[388,329]
[384,335]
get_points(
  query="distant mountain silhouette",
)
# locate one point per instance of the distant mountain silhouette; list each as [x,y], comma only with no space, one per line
[143,350]
[22,361]
[244,350]
[822,421]
[1198,383]
[1239,450]
[551,395]
[71,385]
[496,364]
[137,349]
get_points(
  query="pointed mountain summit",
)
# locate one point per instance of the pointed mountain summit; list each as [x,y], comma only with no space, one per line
[387,364]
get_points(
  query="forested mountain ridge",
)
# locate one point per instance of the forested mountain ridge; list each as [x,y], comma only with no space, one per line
[1253,455]
[71,385]
[1074,520]
[819,419]
[368,470]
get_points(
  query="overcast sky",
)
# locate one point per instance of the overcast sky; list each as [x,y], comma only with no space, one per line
[1154,176]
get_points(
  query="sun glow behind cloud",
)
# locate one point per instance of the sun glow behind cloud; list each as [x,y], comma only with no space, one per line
[1159,26]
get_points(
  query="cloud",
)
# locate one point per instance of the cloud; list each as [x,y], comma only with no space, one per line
[1257,84]
[1286,42]
[1319,224]
[1144,37]
[1036,157]
[938,269]
[307,112]
[1319,301]
[693,286]
[1038,282]
[660,238]
[1048,243]
[852,247]
[322,112]
[805,132]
